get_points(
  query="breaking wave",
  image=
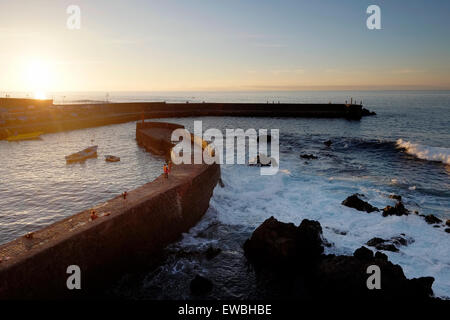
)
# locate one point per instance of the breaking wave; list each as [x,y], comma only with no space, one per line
[425,152]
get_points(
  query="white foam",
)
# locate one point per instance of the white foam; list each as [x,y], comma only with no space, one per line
[248,199]
[425,152]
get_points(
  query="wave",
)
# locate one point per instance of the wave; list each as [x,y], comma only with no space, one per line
[425,152]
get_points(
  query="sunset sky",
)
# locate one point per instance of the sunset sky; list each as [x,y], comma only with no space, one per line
[223,45]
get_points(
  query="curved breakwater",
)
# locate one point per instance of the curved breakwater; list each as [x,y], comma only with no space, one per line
[127,230]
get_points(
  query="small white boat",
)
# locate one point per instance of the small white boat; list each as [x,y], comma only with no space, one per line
[110,158]
[87,153]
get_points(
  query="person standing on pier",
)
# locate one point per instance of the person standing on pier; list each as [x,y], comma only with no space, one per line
[166,171]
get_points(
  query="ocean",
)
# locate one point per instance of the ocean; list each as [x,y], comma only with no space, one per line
[404,150]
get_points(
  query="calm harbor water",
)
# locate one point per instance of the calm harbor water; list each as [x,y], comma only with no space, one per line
[405,150]
[37,187]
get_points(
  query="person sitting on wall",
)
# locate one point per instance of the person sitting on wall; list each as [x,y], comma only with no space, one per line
[170,165]
[93,215]
[166,171]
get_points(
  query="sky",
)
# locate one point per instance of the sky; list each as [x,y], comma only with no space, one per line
[184,45]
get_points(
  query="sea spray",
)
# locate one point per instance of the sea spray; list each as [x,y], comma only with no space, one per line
[425,152]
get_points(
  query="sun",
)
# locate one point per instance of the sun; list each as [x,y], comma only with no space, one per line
[40,95]
[38,77]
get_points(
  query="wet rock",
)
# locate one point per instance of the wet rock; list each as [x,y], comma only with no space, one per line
[431,219]
[363,254]
[309,239]
[272,242]
[308,156]
[355,202]
[447,223]
[343,277]
[390,244]
[381,244]
[212,252]
[387,247]
[366,112]
[340,232]
[375,241]
[395,197]
[398,210]
[277,243]
[328,276]
[328,143]
[447,230]
[200,285]
[381,256]
[400,241]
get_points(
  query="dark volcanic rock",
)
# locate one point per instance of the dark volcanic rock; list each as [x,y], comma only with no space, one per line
[389,245]
[328,143]
[309,239]
[366,112]
[431,219]
[375,241]
[381,256]
[363,254]
[200,285]
[398,210]
[273,242]
[340,232]
[345,277]
[447,230]
[399,241]
[308,156]
[277,243]
[211,252]
[355,202]
[395,197]
[381,244]
[327,276]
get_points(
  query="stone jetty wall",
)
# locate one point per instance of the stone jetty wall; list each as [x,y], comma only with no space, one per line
[126,233]
[57,118]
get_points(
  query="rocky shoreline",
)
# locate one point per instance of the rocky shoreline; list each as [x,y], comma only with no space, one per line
[294,255]
[398,209]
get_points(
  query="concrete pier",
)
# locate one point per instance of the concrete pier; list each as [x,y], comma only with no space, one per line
[55,118]
[126,232]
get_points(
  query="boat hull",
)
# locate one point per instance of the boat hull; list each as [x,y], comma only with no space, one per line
[25,136]
[112,159]
[83,155]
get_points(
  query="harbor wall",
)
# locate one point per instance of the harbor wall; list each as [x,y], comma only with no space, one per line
[128,232]
[76,116]
[158,144]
